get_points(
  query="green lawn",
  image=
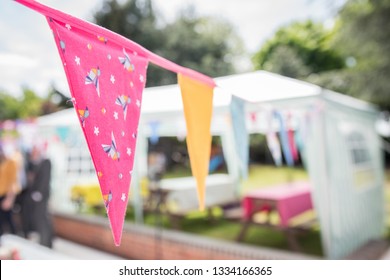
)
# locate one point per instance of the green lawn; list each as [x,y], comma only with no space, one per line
[265,175]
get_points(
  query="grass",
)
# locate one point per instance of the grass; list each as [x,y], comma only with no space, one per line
[265,175]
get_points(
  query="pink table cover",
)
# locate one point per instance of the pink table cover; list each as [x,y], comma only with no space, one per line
[291,199]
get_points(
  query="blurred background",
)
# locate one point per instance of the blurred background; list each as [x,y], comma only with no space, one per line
[340,45]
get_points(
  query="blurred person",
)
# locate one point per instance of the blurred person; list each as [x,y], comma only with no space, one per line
[35,208]
[20,158]
[156,166]
[8,191]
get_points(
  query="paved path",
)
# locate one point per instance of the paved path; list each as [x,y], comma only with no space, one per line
[62,250]
[76,251]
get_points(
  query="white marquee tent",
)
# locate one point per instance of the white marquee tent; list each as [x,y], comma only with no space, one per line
[342,151]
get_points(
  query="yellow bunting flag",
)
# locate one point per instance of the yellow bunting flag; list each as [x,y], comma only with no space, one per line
[198,106]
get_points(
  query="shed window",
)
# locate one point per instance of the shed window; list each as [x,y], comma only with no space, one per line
[362,165]
[358,147]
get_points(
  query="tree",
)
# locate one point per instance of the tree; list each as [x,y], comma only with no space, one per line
[364,38]
[199,43]
[29,105]
[134,19]
[9,107]
[204,44]
[298,50]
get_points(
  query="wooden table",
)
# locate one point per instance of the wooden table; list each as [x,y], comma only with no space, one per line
[288,200]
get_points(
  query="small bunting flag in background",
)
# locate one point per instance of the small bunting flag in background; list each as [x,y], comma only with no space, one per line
[154,136]
[291,138]
[272,140]
[241,136]
[284,138]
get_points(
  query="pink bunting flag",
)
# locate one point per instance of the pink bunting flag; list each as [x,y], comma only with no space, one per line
[106,81]
[272,140]
[106,74]
[291,138]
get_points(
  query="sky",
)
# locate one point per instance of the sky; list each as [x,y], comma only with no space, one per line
[29,58]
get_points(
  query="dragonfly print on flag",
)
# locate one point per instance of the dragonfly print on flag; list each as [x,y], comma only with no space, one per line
[93,78]
[107,199]
[111,150]
[83,114]
[123,101]
[102,39]
[126,62]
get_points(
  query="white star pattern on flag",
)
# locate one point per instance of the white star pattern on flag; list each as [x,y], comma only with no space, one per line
[141,78]
[138,103]
[92,68]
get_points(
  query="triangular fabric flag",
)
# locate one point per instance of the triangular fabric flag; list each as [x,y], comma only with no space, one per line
[284,139]
[301,146]
[291,138]
[154,136]
[106,82]
[253,117]
[106,74]
[241,137]
[198,105]
[62,132]
[272,140]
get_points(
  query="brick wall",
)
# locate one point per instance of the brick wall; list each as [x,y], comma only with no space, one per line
[147,243]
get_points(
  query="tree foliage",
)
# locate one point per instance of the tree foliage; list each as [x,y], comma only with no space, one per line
[352,58]
[299,50]
[200,43]
[28,105]
[364,37]
[134,19]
